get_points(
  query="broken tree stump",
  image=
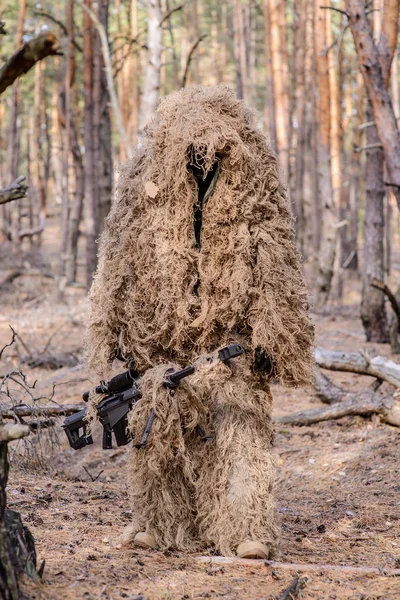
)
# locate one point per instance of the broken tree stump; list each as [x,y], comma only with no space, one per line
[16,544]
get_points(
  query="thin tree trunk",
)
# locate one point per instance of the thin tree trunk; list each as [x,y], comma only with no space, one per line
[355,181]
[269,111]
[153,70]
[329,220]
[102,127]
[300,103]
[238,48]
[280,91]
[373,313]
[38,149]
[91,206]
[75,210]
[373,73]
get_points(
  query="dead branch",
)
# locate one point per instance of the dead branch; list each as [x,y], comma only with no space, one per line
[170,13]
[380,285]
[367,147]
[362,404]
[61,25]
[10,344]
[29,232]
[38,48]
[339,10]
[326,391]
[359,362]
[303,567]
[24,410]
[9,433]
[189,58]
[50,361]
[23,272]
[14,191]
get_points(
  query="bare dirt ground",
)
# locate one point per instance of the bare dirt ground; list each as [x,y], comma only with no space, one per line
[338,482]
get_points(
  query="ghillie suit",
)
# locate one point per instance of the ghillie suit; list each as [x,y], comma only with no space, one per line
[198,252]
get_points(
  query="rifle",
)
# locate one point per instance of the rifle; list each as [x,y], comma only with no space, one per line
[122,392]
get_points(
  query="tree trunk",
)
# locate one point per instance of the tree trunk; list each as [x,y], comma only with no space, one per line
[151,89]
[300,104]
[269,110]
[373,310]
[9,567]
[91,206]
[74,213]
[280,90]
[328,213]
[102,128]
[372,71]
[373,313]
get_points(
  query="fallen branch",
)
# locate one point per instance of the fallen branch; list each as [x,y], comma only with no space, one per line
[14,191]
[361,404]
[361,363]
[50,361]
[9,433]
[45,44]
[24,410]
[253,562]
[326,391]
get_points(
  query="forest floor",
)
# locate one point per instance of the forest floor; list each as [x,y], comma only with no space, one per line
[338,482]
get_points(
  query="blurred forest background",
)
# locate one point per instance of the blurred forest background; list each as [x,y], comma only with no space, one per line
[72,117]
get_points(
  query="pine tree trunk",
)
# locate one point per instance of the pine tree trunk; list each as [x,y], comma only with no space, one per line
[373,313]
[279,69]
[269,111]
[91,205]
[328,213]
[153,68]
[102,128]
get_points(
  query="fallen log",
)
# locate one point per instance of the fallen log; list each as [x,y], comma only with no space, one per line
[362,404]
[343,403]
[360,363]
[24,410]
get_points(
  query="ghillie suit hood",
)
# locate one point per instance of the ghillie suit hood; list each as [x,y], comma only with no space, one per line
[166,292]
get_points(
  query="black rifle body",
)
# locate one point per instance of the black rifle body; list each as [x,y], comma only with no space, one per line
[122,393]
